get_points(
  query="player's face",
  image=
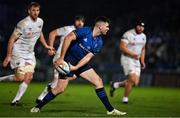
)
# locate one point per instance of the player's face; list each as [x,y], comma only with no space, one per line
[34,12]
[104,28]
[139,29]
[79,23]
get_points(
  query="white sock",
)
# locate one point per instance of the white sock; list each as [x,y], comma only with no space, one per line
[116,84]
[43,94]
[54,83]
[8,78]
[125,99]
[22,88]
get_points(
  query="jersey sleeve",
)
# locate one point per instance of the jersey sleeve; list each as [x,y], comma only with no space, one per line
[20,27]
[125,38]
[145,39]
[81,32]
[60,31]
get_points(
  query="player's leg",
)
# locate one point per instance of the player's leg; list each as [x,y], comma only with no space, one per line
[94,78]
[60,88]
[115,85]
[133,79]
[27,73]
[49,86]
[52,85]
[8,78]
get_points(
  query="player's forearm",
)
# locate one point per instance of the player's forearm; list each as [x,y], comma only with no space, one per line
[142,58]
[43,41]
[52,37]
[126,51]
[12,39]
[85,60]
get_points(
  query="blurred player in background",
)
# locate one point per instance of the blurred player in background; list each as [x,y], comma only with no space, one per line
[132,46]
[20,50]
[62,32]
[79,47]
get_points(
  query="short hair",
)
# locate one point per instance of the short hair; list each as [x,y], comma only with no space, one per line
[35,4]
[79,17]
[102,19]
[140,23]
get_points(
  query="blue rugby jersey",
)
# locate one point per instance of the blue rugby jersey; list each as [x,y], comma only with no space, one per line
[84,43]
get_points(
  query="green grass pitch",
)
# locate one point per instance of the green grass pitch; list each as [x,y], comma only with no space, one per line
[81,101]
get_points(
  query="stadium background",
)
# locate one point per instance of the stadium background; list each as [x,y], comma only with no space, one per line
[160,82]
[162,29]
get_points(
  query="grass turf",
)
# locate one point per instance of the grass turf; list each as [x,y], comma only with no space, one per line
[81,101]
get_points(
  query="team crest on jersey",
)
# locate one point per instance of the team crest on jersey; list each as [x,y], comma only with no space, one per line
[39,26]
[85,39]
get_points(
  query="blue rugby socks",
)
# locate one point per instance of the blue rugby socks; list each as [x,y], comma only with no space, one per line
[103,97]
[50,96]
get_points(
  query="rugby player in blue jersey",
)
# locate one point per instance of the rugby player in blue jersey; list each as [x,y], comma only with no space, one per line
[79,47]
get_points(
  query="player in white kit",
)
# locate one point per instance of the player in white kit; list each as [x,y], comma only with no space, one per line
[132,46]
[62,32]
[20,51]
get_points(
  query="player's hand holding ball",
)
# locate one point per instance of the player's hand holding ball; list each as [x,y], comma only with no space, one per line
[62,67]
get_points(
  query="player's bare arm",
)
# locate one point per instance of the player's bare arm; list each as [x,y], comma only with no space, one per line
[43,41]
[52,37]
[142,58]
[11,42]
[67,41]
[125,50]
[82,62]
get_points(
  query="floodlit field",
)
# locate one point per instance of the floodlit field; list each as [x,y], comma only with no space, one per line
[81,100]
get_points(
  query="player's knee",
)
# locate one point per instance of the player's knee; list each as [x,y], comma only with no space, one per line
[99,82]
[27,81]
[19,77]
[136,83]
[28,78]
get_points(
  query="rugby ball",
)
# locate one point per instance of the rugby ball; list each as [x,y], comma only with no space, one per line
[63,69]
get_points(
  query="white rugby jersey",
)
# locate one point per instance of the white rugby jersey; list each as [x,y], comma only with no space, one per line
[135,41]
[30,32]
[63,32]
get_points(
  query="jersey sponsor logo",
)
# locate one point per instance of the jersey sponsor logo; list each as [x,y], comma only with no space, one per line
[30,29]
[39,26]
[84,48]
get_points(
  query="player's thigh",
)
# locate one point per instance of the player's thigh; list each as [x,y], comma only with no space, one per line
[92,77]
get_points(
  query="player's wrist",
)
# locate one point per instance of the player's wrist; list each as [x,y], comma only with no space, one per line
[9,55]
